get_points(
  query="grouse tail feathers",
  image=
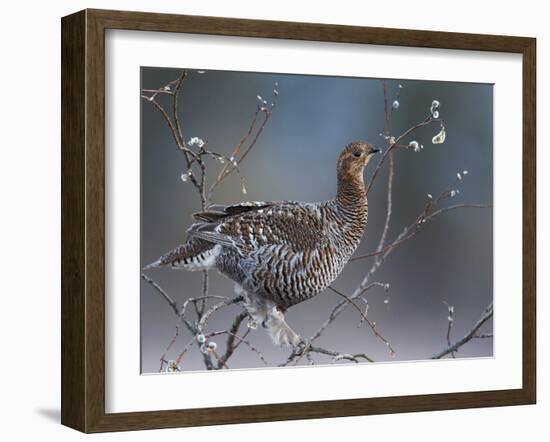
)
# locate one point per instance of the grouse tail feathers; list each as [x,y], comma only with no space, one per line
[195,254]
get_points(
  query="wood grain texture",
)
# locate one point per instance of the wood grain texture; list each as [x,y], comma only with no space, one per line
[529,220]
[73,256]
[95,221]
[83,220]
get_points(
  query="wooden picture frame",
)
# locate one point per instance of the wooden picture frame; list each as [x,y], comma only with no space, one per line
[83,220]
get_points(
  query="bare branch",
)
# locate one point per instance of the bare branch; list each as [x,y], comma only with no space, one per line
[241,340]
[235,159]
[195,154]
[450,320]
[337,356]
[204,318]
[412,230]
[179,130]
[483,336]
[394,144]
[486,315]
[364,318]
[185,350]
[305,350]
[230,344]
[165,295]
[194,330]
[172,341]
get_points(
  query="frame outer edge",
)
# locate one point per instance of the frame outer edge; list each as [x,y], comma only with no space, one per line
[73,132]
[529,221]
[95,222]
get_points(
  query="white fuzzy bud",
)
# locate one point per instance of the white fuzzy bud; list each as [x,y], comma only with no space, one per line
[171,367]
[440,137]
[196,141]
[434,109]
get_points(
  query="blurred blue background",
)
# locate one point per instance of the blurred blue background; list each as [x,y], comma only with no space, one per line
[450,261]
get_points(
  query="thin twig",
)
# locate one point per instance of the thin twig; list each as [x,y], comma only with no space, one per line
[233,165]
[191,327]
[206,316]
[371,324]
[242,340]
[483,336]
[410,233]
[395,143]
[196,300]
[165,295]
[485,316]
[197,176]
[172,341]
[230,344]
[298,353]
[450,320]
[185,350]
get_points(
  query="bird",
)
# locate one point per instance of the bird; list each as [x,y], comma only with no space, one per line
[280,253]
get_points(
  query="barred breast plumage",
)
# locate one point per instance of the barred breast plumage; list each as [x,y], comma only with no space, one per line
[282,252]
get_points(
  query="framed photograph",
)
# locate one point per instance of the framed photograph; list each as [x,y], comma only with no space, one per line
[267,220]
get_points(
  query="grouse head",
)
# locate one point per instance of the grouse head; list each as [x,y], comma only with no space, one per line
[354,158]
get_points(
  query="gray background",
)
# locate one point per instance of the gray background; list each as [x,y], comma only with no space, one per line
[295,159]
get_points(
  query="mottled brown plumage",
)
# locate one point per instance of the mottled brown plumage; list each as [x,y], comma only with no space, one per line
[284,252]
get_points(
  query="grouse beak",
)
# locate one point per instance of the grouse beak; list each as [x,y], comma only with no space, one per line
[374,149]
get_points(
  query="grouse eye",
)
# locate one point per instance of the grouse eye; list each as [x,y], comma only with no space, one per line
[357,154]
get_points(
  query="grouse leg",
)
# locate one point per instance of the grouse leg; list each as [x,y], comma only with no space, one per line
[264,311]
